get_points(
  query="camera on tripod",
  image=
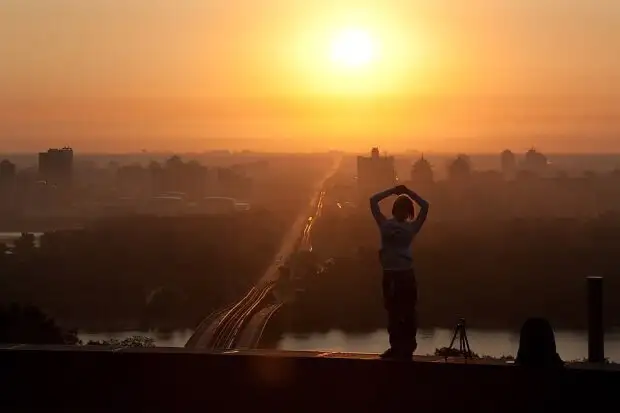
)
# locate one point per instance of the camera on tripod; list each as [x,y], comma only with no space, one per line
[460,332]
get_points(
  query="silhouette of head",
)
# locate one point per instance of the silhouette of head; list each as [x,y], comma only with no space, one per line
[403,208]
[537,345]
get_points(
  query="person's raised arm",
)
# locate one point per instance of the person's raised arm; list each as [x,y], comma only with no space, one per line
[374,204]
[423,204]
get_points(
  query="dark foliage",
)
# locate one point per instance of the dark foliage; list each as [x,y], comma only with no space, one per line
[494,273]
[29,325]
[135,341]
[141,272]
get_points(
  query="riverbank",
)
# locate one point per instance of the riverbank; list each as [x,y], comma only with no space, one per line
[572,344]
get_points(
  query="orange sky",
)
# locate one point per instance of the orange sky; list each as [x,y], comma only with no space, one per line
[479,75]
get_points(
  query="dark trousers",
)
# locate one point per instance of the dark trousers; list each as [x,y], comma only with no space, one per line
[400,295]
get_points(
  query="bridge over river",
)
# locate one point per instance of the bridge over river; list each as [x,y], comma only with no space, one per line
[242,323]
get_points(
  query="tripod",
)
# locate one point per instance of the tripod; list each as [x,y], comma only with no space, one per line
[464,348]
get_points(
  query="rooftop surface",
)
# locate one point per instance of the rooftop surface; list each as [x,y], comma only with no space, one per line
[94,378]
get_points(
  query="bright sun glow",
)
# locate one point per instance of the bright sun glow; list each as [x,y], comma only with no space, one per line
[353,48]
[353,56]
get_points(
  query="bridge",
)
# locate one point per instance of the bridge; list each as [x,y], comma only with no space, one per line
[242,324]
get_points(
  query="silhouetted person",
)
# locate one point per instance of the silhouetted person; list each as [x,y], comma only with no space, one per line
[537,345]
[399,284]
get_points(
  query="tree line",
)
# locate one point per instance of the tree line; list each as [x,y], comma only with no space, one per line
[140,272]
[494,273]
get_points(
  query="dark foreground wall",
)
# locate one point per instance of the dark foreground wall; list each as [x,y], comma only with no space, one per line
[177,380]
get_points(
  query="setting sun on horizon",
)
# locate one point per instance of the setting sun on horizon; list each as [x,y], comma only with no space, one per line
[448,75]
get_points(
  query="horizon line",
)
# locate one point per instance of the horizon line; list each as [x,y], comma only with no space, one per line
[301,152]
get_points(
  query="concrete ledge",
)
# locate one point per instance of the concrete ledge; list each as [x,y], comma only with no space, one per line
[162,379]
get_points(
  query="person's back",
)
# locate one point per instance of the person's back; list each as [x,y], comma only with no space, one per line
[396,238]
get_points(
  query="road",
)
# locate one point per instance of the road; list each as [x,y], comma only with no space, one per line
[253,331]
[302,225]
[221,329]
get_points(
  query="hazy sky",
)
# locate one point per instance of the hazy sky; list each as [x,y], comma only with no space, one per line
[479,75]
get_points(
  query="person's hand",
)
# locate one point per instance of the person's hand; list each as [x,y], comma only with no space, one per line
[400,189]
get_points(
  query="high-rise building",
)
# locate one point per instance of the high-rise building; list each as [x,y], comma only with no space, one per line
[375,173]
[8,171]
[509,164]
[460,168]
[56,167]
[535,162]
[422,173]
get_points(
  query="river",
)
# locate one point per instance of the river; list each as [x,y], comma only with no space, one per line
[10,237]
[572,345]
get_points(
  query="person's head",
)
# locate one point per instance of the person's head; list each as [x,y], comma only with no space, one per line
[403,208]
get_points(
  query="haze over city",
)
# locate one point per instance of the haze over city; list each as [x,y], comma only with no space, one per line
[309,204]
[276,75]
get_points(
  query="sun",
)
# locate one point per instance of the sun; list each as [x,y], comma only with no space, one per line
[353,48]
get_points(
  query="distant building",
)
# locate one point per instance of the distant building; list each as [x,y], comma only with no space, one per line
[7,185]
[243,206]
[217,205]
[375,173]
[8,170]
[509,164]
[177,176]
[231,182]
[166,205]
[422,173]
[56,167]
[460,168]
[535,162]
[133,180]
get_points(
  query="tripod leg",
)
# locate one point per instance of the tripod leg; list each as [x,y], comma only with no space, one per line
[456,330]
[467,348]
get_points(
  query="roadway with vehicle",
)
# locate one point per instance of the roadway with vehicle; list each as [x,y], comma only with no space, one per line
[222,329]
